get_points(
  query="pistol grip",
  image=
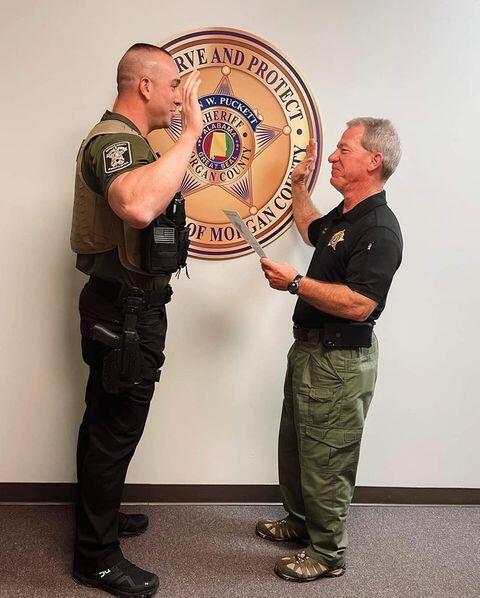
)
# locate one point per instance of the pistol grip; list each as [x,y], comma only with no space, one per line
[106,337]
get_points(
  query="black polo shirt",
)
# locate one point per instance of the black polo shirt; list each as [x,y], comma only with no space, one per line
[361,248]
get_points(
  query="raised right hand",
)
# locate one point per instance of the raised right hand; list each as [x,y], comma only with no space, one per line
[303,170]
[192,122]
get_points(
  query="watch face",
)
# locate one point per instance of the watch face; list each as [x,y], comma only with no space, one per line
[293,285]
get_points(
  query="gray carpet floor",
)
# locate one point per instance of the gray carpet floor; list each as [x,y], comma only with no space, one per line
[212,552]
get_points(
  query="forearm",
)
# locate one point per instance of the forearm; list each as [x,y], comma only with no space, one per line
[143,193]
[304,211]
[336,299]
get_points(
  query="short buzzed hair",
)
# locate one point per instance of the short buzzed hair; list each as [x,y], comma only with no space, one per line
[380,136]
[124,74]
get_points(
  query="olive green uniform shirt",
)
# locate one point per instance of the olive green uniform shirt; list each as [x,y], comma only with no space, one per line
[100,169]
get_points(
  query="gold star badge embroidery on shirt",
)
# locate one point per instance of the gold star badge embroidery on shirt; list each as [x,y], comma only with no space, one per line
[337,237]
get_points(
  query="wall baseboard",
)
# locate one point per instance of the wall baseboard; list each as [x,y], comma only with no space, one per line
[234,493]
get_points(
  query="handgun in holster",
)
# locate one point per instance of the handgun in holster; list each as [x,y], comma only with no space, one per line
[122,366]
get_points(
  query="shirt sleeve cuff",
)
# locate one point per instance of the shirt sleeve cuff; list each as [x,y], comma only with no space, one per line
[313,231]
[365,292]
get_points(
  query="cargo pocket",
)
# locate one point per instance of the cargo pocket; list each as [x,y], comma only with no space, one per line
[335,449]
[320,403]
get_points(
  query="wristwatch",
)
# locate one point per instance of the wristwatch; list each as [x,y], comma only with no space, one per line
[293,286]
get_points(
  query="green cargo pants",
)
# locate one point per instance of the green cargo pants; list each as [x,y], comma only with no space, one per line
[327,395]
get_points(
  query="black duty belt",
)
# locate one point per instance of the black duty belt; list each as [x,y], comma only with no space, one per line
[337,335]
[117,292]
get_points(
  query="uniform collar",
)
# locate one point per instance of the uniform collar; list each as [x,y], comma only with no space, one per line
[115,116]
[366,205]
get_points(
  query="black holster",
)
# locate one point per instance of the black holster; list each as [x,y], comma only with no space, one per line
[123,364]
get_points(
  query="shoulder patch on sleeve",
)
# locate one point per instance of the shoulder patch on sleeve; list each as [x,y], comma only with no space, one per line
[117,156]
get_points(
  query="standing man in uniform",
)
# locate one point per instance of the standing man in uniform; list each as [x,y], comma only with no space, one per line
[129,234]
[332,365]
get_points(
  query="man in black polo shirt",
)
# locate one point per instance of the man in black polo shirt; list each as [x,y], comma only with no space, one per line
[332,365]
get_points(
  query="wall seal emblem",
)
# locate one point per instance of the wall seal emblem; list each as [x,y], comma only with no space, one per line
[258,116]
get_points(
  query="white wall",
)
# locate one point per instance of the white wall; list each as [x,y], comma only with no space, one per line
[215,414]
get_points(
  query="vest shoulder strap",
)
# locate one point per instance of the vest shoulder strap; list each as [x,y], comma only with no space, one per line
[109,127]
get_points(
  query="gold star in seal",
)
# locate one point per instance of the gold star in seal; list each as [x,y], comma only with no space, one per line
[262,138]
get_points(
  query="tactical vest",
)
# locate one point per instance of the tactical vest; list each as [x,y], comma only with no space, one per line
[95,226]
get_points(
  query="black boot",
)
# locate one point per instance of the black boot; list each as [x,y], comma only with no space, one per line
[130,525]
[123,580]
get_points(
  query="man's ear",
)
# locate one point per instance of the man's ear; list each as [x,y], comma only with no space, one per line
[376,161]
[145,87]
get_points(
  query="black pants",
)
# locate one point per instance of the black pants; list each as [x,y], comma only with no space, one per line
[110,431]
